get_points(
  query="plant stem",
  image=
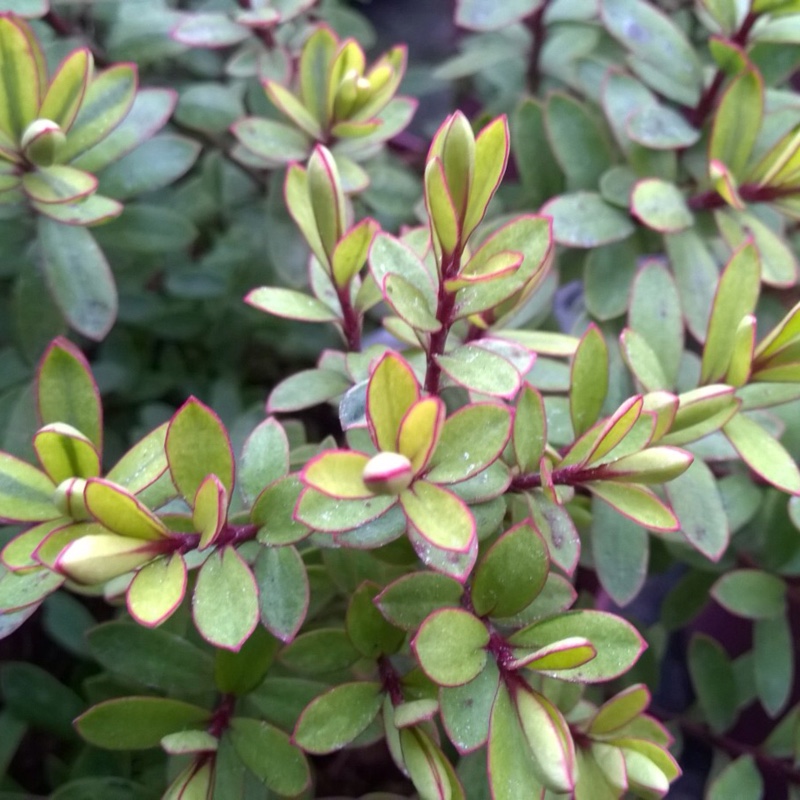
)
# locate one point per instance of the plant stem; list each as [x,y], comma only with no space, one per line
[390,680]
[697,115]
[221,719]
[749,192]
[535,23]
[351,324]
[731,746]
[445,308]
[568,476]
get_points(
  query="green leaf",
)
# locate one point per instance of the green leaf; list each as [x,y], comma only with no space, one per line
[696,501]
[485,15]
[286,102]
[290,304]
[138,723]
[89,788]
[34,696]
[85,211]
[471,439]
[26,494]
[58,184]
[616,641]
[480,370]
[511,769]
[67,88]
[445,222]
[763,454]
[154,658]
[733,135]
[696,277]
[577,141]
[450,646]
[153,165]
[608,274]
[391,256]
[714,682]
[466,709]
[338,473]
[328,515]
[511,574]
[620,709]
[660,128]
[157,590]
[307,388]
[150,110]
[270,754]
[209,513]
[209,30]
[751,593]
[197,445]
[638,503]
[661,206]
[338,716]
[773,663]
[143,464]
[264,459]
[737,293]
[225,602]
[558,530]
[283,591]
[19,590]
[320,651]
[538,169]
[371,634]
[657,46]
[430,771]
[392,390]
[409,600]
[121,512]
[529,436]
[409,303]
[350,253]
[209,107]
[441,518]
[588,380]
[65,452]
[20,78]
[107,101]
[584,219]
[240,672]
[620,550]
[655,314]
[273,510]
[79,278]
[274,142]
[779,266]
[490,158]
[740,778]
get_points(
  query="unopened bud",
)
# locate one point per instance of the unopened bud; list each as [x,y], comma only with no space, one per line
[68,499]
[388,473]
[99,558]
[42,141]
[346,94]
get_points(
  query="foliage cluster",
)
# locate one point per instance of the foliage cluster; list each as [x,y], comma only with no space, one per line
[531,434]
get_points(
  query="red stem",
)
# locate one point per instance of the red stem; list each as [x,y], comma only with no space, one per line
[221,718]
[390,680]
[697,115]
[749,192]
[351,323]
[445,308]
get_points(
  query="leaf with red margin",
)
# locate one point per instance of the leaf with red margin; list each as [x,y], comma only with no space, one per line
[617,642]
[225,601]
[439,516]
[157,590]
[66,391]
[392,390]
[197,445]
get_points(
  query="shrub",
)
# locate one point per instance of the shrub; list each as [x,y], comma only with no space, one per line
[530,439]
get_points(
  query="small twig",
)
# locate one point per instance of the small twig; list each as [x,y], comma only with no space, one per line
[535,23]
[697,115]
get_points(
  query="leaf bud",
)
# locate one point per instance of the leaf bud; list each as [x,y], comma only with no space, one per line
[100,557]
[42,141]
[68,499]
[388,473]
